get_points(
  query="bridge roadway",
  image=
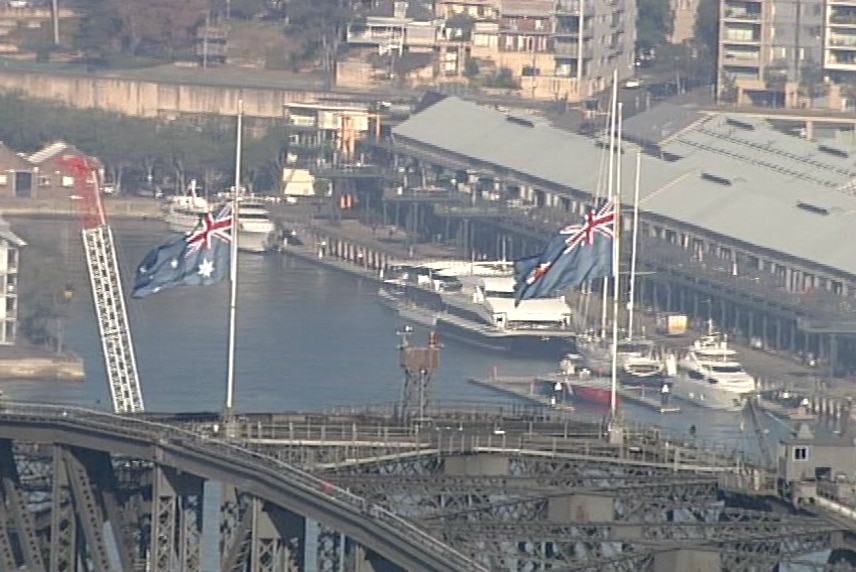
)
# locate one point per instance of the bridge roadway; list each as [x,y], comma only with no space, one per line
[506,493]
[279,483]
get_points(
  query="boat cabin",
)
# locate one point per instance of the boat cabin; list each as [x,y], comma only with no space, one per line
[496,295]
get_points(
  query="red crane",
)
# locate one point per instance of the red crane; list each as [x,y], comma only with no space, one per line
[106,284]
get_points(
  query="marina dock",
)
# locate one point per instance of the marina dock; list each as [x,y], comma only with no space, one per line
[526,387]
[357,249]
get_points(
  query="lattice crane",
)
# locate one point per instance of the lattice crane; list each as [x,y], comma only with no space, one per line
[106,284]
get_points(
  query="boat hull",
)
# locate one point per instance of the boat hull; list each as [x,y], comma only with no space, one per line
[257,242]
[593,394]
[520,345]
[708,395]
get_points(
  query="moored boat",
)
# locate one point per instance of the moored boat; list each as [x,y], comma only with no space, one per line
[709,375]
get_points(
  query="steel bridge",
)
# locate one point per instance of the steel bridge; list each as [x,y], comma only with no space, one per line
[85,490]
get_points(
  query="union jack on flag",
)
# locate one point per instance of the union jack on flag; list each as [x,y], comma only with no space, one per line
[211,227]
[576,254]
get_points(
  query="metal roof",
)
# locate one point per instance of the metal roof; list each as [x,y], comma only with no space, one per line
[727,175]
[659,123]
[48,152]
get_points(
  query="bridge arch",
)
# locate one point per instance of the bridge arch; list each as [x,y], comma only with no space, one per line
[278,483]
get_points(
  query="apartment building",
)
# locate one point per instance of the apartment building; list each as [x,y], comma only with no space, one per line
[552,49]
[773,52]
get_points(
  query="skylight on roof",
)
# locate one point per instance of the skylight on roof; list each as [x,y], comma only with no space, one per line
[520,121]
[716,179]
[808,207]
[739,124]
[829,150]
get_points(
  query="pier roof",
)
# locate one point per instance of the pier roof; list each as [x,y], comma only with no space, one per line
[729,176]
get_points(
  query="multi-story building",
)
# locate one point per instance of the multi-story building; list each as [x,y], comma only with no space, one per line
[558,50]
[773,52]
[10,244]
[684,13]
[565,50]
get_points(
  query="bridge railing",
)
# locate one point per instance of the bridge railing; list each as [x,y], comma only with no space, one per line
[258,463]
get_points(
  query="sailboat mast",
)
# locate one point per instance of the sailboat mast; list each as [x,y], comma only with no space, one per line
[616,263]
[233,294]
[613,111]
[634,245]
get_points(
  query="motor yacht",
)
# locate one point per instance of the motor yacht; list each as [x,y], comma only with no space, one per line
[709,374]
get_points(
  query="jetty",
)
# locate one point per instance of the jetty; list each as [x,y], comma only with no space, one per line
[538,389]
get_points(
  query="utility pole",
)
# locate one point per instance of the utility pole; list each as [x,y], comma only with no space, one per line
[205,40]
[55,21]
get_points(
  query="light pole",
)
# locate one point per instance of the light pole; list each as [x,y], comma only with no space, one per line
[65,297]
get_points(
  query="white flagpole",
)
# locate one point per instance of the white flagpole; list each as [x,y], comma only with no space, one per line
[613,107]
[616,263]
[233,274]
[631,304]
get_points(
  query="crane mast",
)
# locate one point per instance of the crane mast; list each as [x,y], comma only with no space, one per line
[107,295]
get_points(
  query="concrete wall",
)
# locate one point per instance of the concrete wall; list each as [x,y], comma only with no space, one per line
[143,98]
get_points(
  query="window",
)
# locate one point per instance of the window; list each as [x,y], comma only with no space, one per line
[67,181]
[800,453]
[44,181]
[4,179]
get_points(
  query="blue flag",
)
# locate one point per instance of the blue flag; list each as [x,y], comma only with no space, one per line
[199,258]
[577,254]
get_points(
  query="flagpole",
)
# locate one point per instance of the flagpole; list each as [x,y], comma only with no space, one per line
[631,308]
[613,108]
[616,263]
[233,294]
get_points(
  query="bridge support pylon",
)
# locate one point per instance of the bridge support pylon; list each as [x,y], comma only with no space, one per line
[176,534]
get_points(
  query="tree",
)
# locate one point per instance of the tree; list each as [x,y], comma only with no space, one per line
[319,24]
[155,27]
[812,81]
[654,24]
[99,30]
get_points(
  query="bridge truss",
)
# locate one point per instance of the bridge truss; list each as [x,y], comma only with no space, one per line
[568,503]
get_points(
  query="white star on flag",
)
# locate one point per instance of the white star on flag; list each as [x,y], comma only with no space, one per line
[206,268]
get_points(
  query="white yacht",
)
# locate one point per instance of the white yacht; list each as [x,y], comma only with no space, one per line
[638,362]
[182,212]
[256,229]
[473,302]
[709,375]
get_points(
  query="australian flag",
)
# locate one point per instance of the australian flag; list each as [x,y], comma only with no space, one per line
[196,259]
[577,254]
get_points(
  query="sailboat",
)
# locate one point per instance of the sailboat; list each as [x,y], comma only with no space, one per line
[601,389]
[637,362]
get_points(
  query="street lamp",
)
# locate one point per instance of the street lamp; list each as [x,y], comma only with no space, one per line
[65,297]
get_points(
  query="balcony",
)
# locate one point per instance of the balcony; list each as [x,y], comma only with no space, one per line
[574,7]
[743,14]
[841,43]
[732,56]
[567,49]
[843,19]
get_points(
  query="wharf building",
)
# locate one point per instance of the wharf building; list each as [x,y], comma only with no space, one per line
[740,223]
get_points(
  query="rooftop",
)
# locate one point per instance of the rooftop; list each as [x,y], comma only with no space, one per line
[725,175]
[48,152]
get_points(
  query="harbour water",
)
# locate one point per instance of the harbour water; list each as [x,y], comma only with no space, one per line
[308,339]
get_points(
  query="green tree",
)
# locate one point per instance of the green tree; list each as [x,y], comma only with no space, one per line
[98,30]
[654,23]
[319,25]
[706,29]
